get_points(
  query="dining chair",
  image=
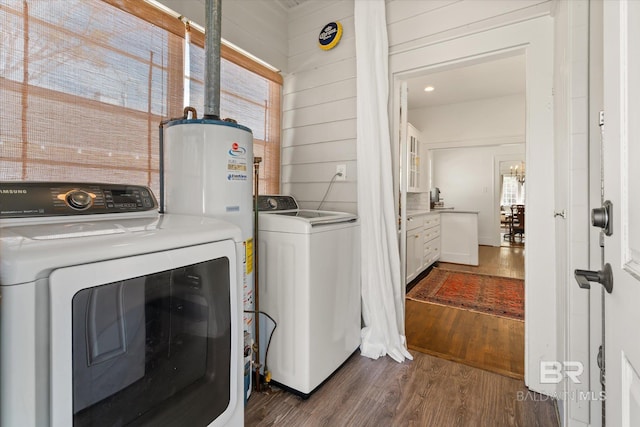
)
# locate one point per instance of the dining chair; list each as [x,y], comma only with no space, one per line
[517,213]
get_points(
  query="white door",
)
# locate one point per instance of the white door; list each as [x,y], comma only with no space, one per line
[621,154]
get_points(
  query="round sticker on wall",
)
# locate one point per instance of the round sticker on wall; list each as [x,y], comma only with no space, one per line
[330,35]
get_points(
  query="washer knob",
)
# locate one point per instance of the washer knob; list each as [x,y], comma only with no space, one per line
[78,199]
[272,203]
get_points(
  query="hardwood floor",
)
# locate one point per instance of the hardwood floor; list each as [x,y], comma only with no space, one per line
[506,241]
[479,340]
[426,391]
[498,261]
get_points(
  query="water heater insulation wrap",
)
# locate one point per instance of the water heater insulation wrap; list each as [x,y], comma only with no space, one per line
[208,171]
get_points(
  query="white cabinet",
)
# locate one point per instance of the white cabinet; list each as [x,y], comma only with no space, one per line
[431,238]
[417,162]
[460,237]
[415,246]
[423,242]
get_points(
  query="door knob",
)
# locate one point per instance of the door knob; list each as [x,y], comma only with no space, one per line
[602,217]
[604,277]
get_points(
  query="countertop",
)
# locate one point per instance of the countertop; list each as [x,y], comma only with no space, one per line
[454,211]
[419,212]
[439,211]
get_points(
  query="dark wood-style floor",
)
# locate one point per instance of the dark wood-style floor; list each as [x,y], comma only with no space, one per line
[479,340]
[427,391]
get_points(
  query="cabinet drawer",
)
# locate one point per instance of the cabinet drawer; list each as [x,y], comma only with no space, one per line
[431,260]
[431,247]
[431,233]
[431,220]
[431,251]
[414,222]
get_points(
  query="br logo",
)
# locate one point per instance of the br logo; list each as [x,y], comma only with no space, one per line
[552,372]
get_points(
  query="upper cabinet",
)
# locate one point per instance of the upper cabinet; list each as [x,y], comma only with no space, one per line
[417,162]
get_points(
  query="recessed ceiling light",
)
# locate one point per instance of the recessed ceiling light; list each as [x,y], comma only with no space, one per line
[429,89]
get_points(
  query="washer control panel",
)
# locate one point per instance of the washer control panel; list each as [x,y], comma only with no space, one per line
[33,199]
[276,203]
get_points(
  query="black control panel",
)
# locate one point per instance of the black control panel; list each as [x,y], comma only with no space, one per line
[276,203]
[33,199]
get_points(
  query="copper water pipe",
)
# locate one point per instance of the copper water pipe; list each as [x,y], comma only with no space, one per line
[256,297]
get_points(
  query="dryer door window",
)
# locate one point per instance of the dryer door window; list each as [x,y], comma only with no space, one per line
[153,348]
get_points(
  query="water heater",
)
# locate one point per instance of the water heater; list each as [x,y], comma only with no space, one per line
[208,171]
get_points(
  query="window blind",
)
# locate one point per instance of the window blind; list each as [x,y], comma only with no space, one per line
[84,85]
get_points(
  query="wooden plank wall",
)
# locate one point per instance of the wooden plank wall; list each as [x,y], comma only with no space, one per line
[319,109]
[319,102]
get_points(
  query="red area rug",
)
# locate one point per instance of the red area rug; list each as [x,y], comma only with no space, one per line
[499,296]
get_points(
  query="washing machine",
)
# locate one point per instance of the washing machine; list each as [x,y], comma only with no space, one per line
[113,314]
[309,283]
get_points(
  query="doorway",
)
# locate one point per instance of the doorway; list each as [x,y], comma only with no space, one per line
[534,38]
[470,118]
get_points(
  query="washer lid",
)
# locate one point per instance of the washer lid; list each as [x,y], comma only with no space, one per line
[318,217]
[305,221]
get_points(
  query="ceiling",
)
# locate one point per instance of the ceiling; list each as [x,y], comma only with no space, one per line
[289,4]
[492,79]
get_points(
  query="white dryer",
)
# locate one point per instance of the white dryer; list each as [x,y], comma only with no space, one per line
[309,282]
[113,314]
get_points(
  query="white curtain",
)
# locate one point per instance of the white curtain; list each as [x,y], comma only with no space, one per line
[382,291]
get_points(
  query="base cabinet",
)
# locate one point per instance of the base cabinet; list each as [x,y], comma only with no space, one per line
[431,238]
[460,237]
[415,246]
[423,243]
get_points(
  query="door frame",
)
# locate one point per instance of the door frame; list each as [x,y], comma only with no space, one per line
[596,104]
[535,38]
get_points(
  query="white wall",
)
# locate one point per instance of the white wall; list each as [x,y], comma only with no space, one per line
[413,24]
[491,121]
[259,27]
[467,181]
[319,103]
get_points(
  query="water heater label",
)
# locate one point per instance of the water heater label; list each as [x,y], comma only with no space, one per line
[236,163]
[249,255]
[237,177]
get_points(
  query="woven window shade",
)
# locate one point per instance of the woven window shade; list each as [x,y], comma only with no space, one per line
[251,100]
[84,86]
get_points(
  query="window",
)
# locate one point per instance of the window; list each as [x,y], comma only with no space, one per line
[84,85]
[512,191]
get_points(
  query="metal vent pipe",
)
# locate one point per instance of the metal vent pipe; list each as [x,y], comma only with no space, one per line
[213,31]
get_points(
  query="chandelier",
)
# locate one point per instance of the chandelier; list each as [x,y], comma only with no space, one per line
[518,173]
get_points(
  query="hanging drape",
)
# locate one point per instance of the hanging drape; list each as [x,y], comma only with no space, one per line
[382,291]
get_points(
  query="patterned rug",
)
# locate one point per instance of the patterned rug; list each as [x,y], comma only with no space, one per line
[499,296]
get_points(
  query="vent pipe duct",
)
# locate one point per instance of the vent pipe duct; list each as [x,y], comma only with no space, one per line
[213,11]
